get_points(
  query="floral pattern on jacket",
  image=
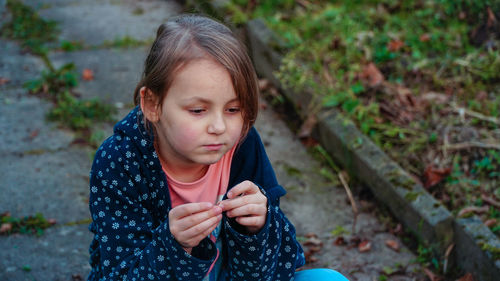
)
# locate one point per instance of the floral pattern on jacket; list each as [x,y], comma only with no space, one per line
[129,203]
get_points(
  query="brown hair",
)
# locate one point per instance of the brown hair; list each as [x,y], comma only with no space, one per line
[186,38]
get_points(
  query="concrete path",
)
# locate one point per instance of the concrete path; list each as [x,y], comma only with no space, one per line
[42,170]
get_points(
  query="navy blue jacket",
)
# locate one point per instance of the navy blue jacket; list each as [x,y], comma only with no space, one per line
[129,204]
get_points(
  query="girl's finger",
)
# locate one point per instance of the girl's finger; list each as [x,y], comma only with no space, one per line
[194,241]
[256,198]
[195,219]
[192,238]
[188,209]
[206,232]
[245,187]
[202,227]
[248,210]
[253,221]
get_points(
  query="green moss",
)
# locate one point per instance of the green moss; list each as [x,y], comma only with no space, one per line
[292,171]
[79,115]
[26,225]
[357,143]
[329,43]
[495,251]
[54,82]
[399,179]
[71,46]
[138,11]
[339,230]
[412,196]
[29,28]
[126,42]
[80,222]
[34,152]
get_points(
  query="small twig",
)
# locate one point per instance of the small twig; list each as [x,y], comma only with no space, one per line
[446,141]
[470,144]
[351,199]
[473,209]
[303,3]
[490,201]
[447,256]
[464,111]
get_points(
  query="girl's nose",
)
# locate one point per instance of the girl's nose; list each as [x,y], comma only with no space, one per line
[217,125]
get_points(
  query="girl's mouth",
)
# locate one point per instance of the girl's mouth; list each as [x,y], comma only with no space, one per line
[213,147]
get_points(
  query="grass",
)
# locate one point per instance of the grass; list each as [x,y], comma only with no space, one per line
[27,225]
[29,28]
[34,34]
[126,42]
[79,115]
[437,85]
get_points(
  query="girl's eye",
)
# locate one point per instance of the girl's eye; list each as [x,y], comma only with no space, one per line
[196,110]
[233,109]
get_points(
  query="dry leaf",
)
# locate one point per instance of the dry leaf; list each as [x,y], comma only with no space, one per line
[467,277]
[490,200]
[307,126]
[435,98]
[398,229]
[395,45]
[311,234]
[482,96]
[5,214]
[309,142]
[355,240]
[491,18]
[425,37]
[310,258]
[4,81]
[490,222]
[34,134]
[313,241]
[433,175]
[5,227]
[372,75]
[393,244]
[264,84]
[365,246]
[87,75]
[314,249]
[340,241]
[431,275]
[303,3]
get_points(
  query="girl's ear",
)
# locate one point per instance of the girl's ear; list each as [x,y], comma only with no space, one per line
[149,105]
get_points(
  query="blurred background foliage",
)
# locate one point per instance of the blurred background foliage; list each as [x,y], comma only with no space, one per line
[419,77]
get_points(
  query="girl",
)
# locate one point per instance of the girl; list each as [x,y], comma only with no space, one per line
[183,189]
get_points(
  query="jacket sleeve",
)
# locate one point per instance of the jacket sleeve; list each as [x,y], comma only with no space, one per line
[273,253]
[130,241]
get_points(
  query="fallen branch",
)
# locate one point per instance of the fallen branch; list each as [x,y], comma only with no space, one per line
[470,144]
[351,199]
[473,209]
[490,200]
[464,111]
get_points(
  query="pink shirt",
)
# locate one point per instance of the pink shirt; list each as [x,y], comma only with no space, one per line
[209,188]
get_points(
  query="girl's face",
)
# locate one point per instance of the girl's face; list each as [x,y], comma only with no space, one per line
[200,116]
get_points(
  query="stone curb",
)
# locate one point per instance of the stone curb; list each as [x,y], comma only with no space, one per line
[476,248]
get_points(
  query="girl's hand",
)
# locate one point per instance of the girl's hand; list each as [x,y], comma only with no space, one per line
[247,205]
[190,223]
